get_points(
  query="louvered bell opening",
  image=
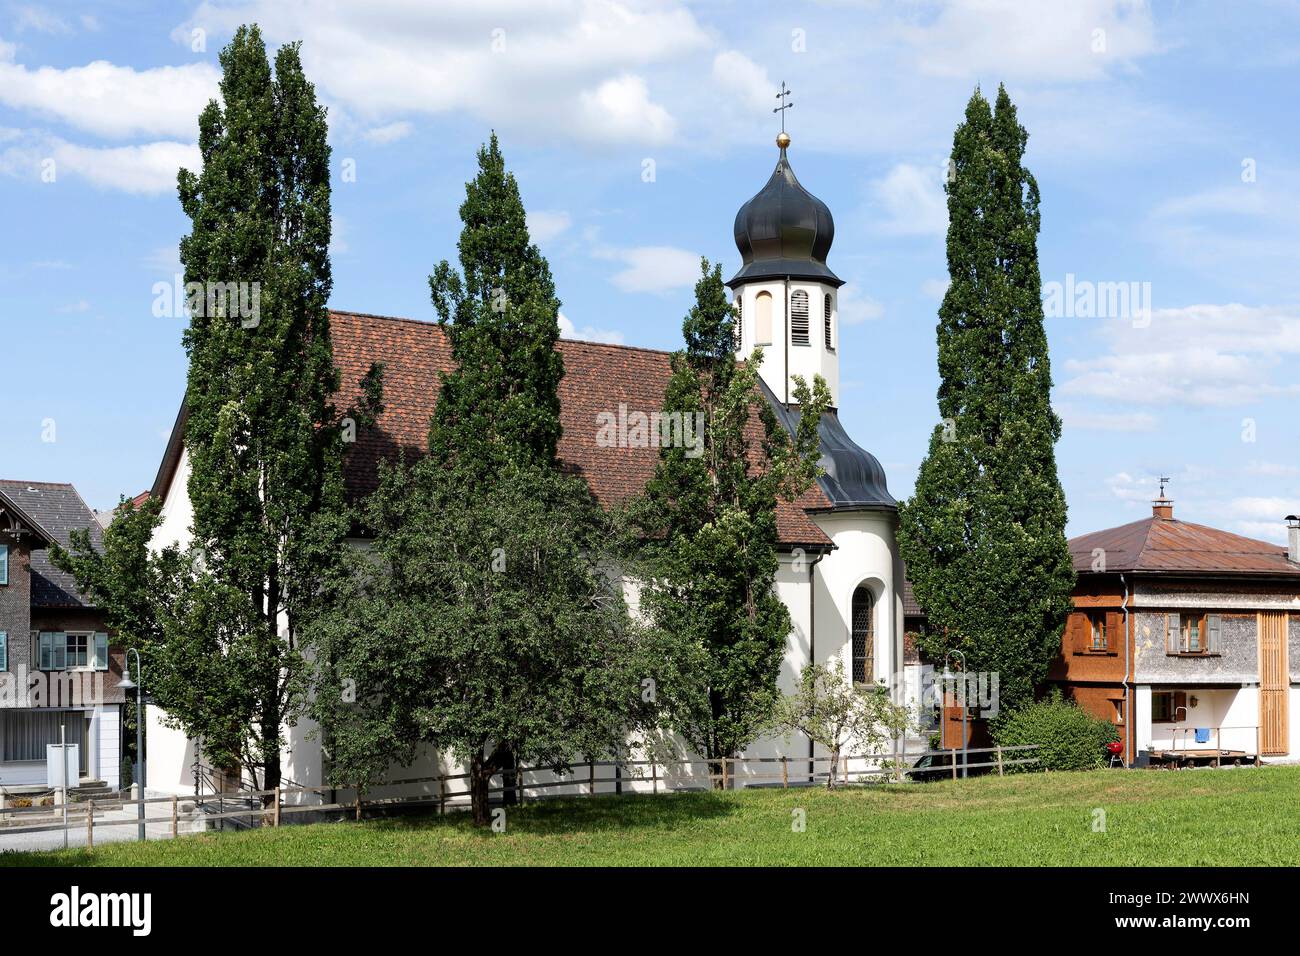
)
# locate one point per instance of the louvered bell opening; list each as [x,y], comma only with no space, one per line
[799,318]
[738,326]
[826,314]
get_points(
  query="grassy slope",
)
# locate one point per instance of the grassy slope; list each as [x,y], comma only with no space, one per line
[1152,819]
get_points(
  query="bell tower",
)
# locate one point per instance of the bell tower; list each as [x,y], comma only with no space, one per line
[786,295]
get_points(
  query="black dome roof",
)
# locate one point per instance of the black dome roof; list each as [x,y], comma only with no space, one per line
[784,231]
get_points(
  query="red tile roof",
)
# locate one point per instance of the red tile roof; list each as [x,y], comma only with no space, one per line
[1170,546]
[598,378]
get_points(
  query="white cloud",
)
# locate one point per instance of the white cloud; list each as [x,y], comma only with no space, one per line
[113,101]
[576,64]
[1272,469]
[588,333]
[1200,355]
[543,226]
[913,201]
[144,169]
[1107,421]
[39,19]
[389,133]
[652,268]
[1132,489]
[1080,40]
[739,76]
[935,288]
[856,308]
[620,110]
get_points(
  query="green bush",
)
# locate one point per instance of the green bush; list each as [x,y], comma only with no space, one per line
[1068,737]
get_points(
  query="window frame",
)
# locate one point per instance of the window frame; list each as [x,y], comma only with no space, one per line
[868,658]
[1096,627]
[827,311]
[800,319]
[4,651]
[4,565]
[1170,714]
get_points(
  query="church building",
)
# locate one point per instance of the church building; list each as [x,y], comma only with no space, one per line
[840,572]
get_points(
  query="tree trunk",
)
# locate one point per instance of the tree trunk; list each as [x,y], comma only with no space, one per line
[835,765]
[480,779]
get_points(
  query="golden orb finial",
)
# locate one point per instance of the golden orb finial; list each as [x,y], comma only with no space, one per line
[783,139]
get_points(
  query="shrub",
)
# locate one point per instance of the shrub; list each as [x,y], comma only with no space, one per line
[1068,737]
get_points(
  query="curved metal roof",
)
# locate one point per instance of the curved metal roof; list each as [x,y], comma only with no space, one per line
[784,231]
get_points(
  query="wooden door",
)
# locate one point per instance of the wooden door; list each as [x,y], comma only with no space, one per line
[1274,684]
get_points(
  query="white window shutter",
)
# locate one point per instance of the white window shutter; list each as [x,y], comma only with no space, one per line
[1175,633]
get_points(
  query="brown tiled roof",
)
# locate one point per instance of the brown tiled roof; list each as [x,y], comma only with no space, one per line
[597,378]
[1170,546]
[910,606]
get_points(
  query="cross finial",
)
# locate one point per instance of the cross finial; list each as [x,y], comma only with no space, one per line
[1163,480]
[785,104]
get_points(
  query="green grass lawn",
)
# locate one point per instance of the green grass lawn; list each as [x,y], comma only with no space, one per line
[1176,818]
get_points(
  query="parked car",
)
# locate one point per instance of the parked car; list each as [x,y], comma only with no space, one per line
[938,766]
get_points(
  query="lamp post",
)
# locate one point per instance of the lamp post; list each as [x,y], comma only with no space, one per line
[962,702]
[138,686]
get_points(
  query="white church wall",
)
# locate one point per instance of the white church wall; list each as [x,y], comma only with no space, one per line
[782,358]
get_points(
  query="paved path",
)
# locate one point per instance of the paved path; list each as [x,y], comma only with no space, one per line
[156,828]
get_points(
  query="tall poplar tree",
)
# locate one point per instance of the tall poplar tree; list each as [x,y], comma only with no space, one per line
[984,533]
[264,447]
[706,531]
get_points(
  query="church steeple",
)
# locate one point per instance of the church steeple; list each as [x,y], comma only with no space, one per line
[785,292]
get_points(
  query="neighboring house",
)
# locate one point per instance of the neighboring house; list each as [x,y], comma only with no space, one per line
[58,667]
[839,574]
[1186,637]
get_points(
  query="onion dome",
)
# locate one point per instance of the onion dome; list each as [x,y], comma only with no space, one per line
[784,231]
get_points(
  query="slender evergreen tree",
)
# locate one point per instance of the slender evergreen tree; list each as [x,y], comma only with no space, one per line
[984,533]
[706,533]
[483,623]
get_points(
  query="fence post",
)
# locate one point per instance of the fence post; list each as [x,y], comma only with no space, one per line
[999,760]
[785,772]
[726,782]
[275,819]
[90,824]
[953,753]
[654,776]
[591,777]
[846,770]
[358,816]
[175,818]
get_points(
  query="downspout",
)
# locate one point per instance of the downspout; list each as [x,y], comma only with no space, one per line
[1128,698]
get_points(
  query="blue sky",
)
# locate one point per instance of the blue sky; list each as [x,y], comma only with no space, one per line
[1163,136]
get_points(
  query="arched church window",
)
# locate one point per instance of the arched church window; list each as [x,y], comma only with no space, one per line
[830,342]
[738,326]
[763,318]
[799,317]
[863,636]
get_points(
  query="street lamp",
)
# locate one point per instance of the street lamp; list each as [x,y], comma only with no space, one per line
[138,686]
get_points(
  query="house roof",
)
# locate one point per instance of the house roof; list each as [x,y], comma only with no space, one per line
[1160,545]
[597,378]
[59,510]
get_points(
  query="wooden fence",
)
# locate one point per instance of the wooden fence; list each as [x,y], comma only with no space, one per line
[722,770]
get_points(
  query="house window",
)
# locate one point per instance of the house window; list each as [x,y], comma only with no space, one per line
[78,648]
[738,326]
[1118,704]
[863,637]
[1097,632]
[4,564]
[59,651]
[4,651]
[1162,708]
[826,316]
[763,318]
[1193,633]
[799,318]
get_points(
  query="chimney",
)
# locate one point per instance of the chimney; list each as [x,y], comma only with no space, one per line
[1163,507]
[1293,539]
